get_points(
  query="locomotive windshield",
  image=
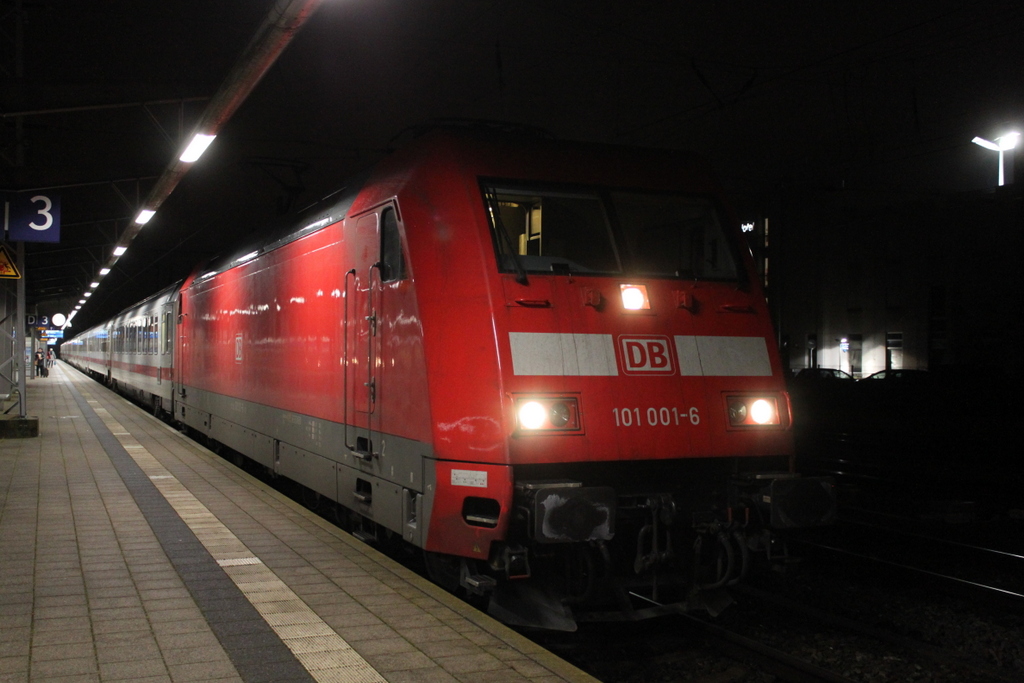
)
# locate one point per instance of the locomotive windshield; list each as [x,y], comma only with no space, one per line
[538,230]
[541,231]
[675,236]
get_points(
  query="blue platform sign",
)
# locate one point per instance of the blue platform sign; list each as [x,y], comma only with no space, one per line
[32,217]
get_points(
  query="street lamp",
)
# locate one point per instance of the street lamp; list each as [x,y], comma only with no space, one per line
[1002,144]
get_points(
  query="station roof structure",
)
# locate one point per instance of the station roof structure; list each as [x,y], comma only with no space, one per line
[99,99]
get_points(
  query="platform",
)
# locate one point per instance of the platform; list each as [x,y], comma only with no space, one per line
[130,552]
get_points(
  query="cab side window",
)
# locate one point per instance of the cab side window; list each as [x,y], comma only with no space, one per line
[392,259]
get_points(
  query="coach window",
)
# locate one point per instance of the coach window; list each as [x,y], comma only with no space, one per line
[392,259]
[165,331]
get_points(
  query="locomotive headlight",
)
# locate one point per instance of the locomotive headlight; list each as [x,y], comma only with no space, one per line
[557,413]
[532,415]
[751,411]
[762,412]
[634,297]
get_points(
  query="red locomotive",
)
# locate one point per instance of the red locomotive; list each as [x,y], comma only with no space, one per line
[549,365]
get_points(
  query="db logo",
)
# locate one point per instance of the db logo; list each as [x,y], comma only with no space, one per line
[649,355]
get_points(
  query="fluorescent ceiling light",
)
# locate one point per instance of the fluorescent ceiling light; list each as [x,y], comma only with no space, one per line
[144,216]
[104,271]
[118,251]
[94,285]
[196,148]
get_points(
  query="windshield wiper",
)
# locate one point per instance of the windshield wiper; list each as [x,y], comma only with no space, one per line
[492,201]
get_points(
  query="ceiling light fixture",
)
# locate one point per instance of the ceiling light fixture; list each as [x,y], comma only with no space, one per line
[196,148]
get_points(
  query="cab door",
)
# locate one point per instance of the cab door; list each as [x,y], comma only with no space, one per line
[370,291]
[361,330]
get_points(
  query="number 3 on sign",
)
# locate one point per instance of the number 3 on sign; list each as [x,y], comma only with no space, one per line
[44,212]
[32,218]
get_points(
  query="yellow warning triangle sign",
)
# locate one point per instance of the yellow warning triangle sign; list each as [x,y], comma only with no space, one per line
[8,269]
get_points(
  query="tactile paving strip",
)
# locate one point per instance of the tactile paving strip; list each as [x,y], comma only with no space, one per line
[321,651]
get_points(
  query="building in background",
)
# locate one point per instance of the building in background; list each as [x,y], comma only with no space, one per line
[918,283]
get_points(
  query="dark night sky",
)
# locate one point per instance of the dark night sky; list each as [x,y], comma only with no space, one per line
[881,97]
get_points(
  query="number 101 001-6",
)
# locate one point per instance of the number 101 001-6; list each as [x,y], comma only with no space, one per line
[655,417]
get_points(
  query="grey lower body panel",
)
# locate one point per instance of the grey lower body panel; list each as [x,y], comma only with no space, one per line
[386,488]
[144,386]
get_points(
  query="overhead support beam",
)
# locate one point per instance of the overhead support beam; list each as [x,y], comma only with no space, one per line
[90,183]
[98,107]
[278,29]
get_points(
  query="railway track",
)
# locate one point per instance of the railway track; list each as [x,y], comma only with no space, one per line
[809,646]
[682,648]
[997,572]
[875,631]
[944,658]
[764,658]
